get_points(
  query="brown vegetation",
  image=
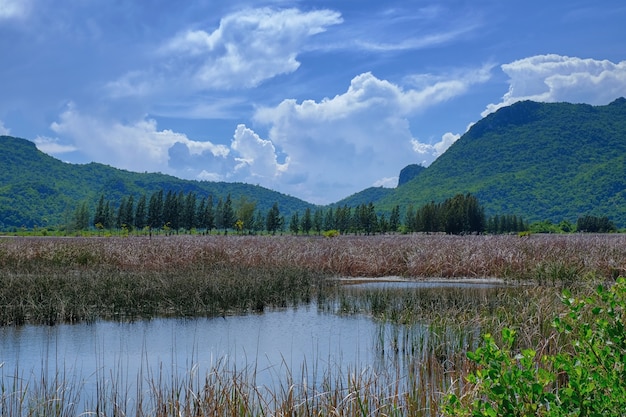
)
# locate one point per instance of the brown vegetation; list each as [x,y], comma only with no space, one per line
[51,280]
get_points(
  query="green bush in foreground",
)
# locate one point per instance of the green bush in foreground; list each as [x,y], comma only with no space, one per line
[588,377]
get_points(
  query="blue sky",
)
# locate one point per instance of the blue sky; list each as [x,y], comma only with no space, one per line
[316,99]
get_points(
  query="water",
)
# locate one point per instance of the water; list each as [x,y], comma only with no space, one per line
[306,342]
[273,344]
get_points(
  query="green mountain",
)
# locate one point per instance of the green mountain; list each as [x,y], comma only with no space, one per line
[39,190]
[409,172]
[543,161]
[368,195]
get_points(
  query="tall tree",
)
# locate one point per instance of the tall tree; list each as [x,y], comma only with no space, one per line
[189,211]
[129,217]
[307,221]
[272,222]
[228,214]
[294,223]
[141,212]
[155,210]
[245,213]
[120,220]
[81,217]
[394,219]
[98,218]
[318,221]
[209,214]
[329,220]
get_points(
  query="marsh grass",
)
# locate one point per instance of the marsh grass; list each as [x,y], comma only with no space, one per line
[228,391]
[51,280]
[426,334]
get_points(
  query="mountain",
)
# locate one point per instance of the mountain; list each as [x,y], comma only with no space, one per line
[368,195]
[409,172]
[542,161]
[39,190]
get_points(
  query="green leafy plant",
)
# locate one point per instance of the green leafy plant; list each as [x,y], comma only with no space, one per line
[587,378]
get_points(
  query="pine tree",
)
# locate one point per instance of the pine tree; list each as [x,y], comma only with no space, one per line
[272,222]
[318,221]
[294,224]
[140,213]
[307,221]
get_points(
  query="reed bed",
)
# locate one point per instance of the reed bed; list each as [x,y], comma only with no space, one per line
[427,334]
[50,280]
[227,391]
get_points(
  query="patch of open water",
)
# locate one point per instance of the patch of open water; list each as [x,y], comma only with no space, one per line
[303,342]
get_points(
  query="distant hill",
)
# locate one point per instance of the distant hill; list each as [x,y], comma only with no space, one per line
[409,172]
[543,161]
[39,190]
[371,194]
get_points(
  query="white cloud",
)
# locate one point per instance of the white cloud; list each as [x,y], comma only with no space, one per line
[357,139]
[14,9]
[554,78]
[255,155]
[435,149]
[425,41]
[246,49]
[4,130]
[52,146]
[387,182]
[320,151]
[136,146]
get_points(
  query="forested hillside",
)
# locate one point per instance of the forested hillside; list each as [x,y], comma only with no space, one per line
[537,161]
[543,161]
[39,190]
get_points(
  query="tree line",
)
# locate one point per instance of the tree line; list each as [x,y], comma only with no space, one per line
[172,212]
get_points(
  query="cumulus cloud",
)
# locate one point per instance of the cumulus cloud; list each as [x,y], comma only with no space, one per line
[4,130]
[247,48]
[435,149]
[256,156]
[320,151]
[357,139]
[53,146]
[136,146]
[554,78]
[141,146]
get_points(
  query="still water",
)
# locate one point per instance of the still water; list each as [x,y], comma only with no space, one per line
[302,342]
[273,343]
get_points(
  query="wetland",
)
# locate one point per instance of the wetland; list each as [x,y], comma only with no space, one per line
[281,325]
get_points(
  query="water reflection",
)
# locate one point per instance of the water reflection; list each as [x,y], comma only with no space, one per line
[273,343]
[337,336]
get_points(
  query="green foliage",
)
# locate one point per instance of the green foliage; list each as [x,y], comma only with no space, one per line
[460,214]
[38,190]
[409,172]
[595,224]
[596,368]
[541,160]
[591,370]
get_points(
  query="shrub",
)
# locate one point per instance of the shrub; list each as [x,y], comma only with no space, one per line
[591,369]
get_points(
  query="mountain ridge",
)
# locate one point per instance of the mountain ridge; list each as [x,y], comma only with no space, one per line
[544,161]
[37,189]
[541,161]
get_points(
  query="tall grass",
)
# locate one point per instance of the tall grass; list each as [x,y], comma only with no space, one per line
[51,280]
[427,334]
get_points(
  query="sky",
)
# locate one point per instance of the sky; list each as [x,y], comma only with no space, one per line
[316,99]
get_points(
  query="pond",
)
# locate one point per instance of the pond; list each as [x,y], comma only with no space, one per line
[303,343]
